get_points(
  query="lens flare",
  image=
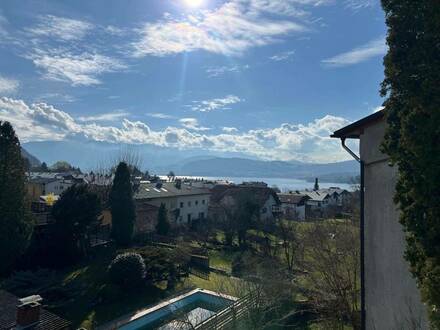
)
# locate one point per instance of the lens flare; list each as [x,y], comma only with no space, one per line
[193,3]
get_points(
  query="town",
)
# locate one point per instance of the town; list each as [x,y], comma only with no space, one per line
[98,236]
[219,165]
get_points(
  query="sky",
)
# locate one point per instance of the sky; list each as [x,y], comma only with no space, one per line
[269,79]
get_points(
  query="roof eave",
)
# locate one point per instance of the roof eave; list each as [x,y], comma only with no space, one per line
[354,130]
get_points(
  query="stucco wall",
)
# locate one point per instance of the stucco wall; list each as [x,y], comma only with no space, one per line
[392,298]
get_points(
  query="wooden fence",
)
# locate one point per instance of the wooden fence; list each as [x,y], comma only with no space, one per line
[229,317]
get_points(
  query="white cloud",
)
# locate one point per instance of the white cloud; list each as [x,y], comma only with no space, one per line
[307,142]
[360,4]
[230,29]
[229,129]
[215,104]
[81,69]
[58,97]
[378,108]
[110,116]
[284,56]
[192,124]
[360,54]
[8,85]
[221,70]
[65,29]
[114,30]
[159,115]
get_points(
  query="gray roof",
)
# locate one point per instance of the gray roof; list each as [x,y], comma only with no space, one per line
[44,180]
[316,195]
[293,198]
[332,190]
[167,189]
[8,310]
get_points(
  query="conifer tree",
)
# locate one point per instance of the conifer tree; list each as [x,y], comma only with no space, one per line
[15,217]
[163,225]
[411,85]
[122,206]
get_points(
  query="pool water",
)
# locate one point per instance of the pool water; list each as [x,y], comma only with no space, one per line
[181,313]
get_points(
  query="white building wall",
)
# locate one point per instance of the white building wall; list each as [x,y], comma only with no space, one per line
[192,207]
[393,301]
[57,187]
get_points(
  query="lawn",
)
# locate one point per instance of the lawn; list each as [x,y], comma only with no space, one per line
[95,301]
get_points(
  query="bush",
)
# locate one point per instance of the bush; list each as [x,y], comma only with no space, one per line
[127,269]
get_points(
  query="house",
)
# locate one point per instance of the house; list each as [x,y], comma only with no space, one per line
[185,204]
[389,295]
[338,197]
[228,195]
[27,313]
[293,205]
[39,186]
[317,203]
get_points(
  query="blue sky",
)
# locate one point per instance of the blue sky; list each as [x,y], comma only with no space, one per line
[270,79]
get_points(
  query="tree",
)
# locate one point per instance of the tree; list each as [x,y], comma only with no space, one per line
[76,209]
[15,218]
[286,230]
[122,206]
[328,253]
[127,270]
[246,212]
[316,186]
[171,176]
[44,167]
[61,166]
[163,225]
[412,73]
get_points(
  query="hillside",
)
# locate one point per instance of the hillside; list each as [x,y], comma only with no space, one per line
[241,167]
[34,161]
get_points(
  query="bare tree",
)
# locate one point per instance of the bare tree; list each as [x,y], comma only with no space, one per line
[286,231]
[331,271]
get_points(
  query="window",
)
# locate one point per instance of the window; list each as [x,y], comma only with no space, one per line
[189,203]
[203,201]
[201,215]
[188,218]
[181,205]
[197,202]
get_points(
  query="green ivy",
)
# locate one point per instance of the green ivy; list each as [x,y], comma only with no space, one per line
[412,88]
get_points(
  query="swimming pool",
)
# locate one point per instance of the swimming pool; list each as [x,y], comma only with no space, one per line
[193,307]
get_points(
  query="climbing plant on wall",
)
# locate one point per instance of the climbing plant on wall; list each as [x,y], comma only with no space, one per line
[412,90]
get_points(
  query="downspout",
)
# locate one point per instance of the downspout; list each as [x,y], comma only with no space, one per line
[361,230]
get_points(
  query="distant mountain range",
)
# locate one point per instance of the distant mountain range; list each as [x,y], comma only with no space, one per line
[240,167]
[34,161]
[158,160]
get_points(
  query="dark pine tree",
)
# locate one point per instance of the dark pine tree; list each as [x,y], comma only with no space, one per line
[15,217]
[316,186]
[411,85]
[122,206]
[163,225]
[76,209]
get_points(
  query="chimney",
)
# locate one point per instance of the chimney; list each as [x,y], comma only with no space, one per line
[28,311]
[178,183]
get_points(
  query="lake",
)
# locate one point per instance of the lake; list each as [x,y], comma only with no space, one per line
[283,184]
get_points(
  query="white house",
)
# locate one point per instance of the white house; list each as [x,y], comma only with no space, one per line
[184,203]
[293,206]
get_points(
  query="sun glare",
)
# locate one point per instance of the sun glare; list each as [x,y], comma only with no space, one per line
[193,3]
